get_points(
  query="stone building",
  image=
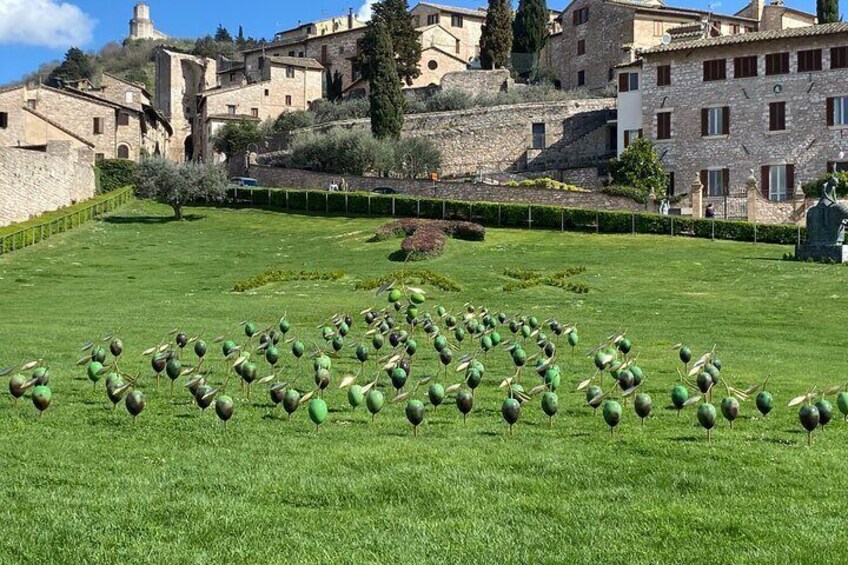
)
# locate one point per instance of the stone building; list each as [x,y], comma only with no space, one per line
[35,115]
[286,84]
[599,35]
[771,105]
[141,26]
[464,25]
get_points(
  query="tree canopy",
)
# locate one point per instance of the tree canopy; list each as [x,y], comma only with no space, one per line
[827,11]
[235,137]
[404,38]
[178,184]
[76,66]
[496,41]
[639,167]
[386,100]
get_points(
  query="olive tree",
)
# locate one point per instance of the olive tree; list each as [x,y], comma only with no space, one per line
[177,184]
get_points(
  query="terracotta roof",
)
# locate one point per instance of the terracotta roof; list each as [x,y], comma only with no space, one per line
[754,37]
[58,126]
[477,13]
[303,62]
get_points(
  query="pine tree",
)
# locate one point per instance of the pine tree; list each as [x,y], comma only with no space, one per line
[386,100]
[827,11]
[529,35]
[496,41]
[222,35]
[76,66]
[405,39]
[240,40]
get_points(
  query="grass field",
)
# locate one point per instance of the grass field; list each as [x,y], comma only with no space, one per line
[85,484]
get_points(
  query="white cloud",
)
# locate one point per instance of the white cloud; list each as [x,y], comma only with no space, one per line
[45,23]
[364,10]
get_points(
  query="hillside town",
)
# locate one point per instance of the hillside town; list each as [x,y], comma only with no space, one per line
[732,103]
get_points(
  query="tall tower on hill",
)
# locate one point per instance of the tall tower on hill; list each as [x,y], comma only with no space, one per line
[141,26]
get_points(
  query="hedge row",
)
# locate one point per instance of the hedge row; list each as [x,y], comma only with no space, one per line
[18,236]
[513,215]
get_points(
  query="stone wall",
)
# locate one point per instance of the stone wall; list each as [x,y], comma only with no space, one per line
[293,178]
[478,82]
[34,182]
[499,138]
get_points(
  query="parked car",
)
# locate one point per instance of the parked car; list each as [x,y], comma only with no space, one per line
[387,190]
[244,181]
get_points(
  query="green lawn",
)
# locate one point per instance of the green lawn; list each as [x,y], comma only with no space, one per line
[86,484]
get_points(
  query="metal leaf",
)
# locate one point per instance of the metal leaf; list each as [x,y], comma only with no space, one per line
[150,350]
[751,389]
[453,388]
[83,361]
[630,391]
[88,345]
[30,365]
[521,396]
[306,397]
[107,337]
[677,346]
[597,398]
[163,347]
[122,389]
[187,371]
[424,381]
[537,389]
[347,381]
[211,393]
[797,400]
[267,379]
[413,289]
[832,390]
[584,384]
[462,366]
[368,387]
[219,339]
[506,382]
[241,360]
[401,397]
[384,287]
[6,370]
[691,401]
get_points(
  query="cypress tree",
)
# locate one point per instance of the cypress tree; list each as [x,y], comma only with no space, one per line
[405,39]
[827,11]
[387,101]
[496,41]
[530,31]
[76,66]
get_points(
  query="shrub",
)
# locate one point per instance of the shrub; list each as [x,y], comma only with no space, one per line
[640,167]
[546,183]
[626,192]
[235,137]
[424,243]
[290,121]
[425,239]
[284,275]
[354,109]
[448,100]
[415,157]
[116,173]
[813,189]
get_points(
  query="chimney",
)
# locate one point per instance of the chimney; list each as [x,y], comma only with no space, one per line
[350,18]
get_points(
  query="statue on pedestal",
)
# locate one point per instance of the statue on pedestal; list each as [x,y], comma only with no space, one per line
[826,228]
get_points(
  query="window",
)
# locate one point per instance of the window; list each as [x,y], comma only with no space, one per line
[232,77]
[99,157]
[539,136]
[610,74]
[839,57]
[630,136]
[658,29]
[669,185]
[612,139]
[777,63]
[4,120]
[745,67]
[123,119]
[734,29]
[715,181]
[432,19]
[809,60]
[288,100]
[581,47]
[98,125]
[291,54]
[456,21]
[581,16]
[628,82]
[715,70]
[776,181]
[123,152]
[458,46]
[777,116]
[715,121]
[129,97]
[231,109]
[254,112]
[664,125]
[664,75]
[581,78]
[267,92]
[432,64]
[289,72]
[324,54]
[837,111]
[32,103]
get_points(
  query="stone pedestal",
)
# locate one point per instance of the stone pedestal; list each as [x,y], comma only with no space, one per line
[836,253]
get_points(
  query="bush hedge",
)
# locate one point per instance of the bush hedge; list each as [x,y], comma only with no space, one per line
[115,173]
[521,215]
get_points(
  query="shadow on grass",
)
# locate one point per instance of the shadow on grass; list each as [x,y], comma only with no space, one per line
[398,256]
[152,219]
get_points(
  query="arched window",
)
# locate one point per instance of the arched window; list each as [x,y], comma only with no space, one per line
[123,152]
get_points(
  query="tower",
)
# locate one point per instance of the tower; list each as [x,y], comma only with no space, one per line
[141,26]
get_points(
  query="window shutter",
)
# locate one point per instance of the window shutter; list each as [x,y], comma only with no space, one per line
[790,179]
[704,181]
[640,133]
[830,111]
[623,82]
[574,17]
[764,180]
[704,122]
[830,165]
[725,174]
[725,127]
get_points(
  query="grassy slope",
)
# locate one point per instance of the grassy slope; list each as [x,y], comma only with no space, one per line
[84,483]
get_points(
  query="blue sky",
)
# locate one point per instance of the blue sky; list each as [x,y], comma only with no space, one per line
[37,31]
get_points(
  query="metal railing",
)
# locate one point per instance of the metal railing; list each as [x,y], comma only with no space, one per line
[30,235]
